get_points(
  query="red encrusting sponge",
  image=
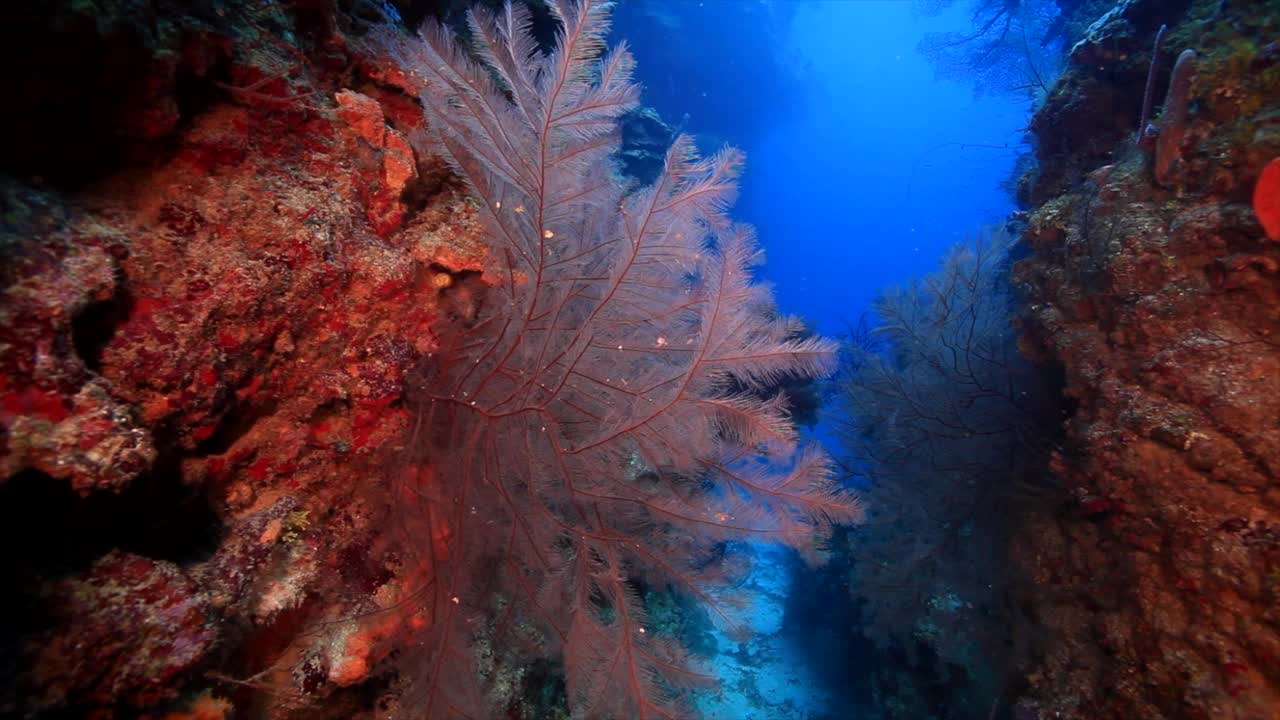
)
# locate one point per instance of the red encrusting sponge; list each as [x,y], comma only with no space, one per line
[1266,199]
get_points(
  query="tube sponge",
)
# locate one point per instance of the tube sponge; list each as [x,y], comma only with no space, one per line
[1173,120]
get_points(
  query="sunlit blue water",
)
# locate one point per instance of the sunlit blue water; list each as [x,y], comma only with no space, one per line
[862,169]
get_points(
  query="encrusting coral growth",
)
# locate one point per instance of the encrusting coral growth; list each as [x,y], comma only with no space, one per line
[204,335]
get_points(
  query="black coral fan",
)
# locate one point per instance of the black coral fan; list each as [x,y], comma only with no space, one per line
[582,428]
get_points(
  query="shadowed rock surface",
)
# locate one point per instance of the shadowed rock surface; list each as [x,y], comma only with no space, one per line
[1158,588]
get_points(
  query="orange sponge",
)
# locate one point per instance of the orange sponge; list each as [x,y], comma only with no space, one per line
[1266,199]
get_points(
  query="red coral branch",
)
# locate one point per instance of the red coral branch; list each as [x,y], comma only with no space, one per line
[605,414]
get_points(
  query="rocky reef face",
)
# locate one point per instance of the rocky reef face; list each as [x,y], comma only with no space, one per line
[1153,285]
[221,257]
[223,264]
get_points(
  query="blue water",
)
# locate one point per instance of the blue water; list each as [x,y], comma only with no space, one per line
[862,168]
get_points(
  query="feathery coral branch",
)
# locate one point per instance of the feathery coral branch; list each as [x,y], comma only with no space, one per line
[584,427]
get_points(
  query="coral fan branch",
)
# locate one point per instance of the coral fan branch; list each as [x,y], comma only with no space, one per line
[588,424]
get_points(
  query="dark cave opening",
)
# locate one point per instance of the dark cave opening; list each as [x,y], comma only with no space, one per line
[67,135]
[59,532]
[93,327]
[50,532]
[236,422]
[94,99]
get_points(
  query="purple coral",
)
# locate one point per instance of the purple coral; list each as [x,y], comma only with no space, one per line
[1144,129]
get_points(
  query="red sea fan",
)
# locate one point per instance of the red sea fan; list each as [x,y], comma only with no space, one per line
[598,420]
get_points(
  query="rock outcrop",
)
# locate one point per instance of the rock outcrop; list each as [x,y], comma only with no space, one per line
[221,258]
[1154,287]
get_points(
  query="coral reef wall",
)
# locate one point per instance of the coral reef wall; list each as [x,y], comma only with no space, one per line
[220,256]
[1152,283]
